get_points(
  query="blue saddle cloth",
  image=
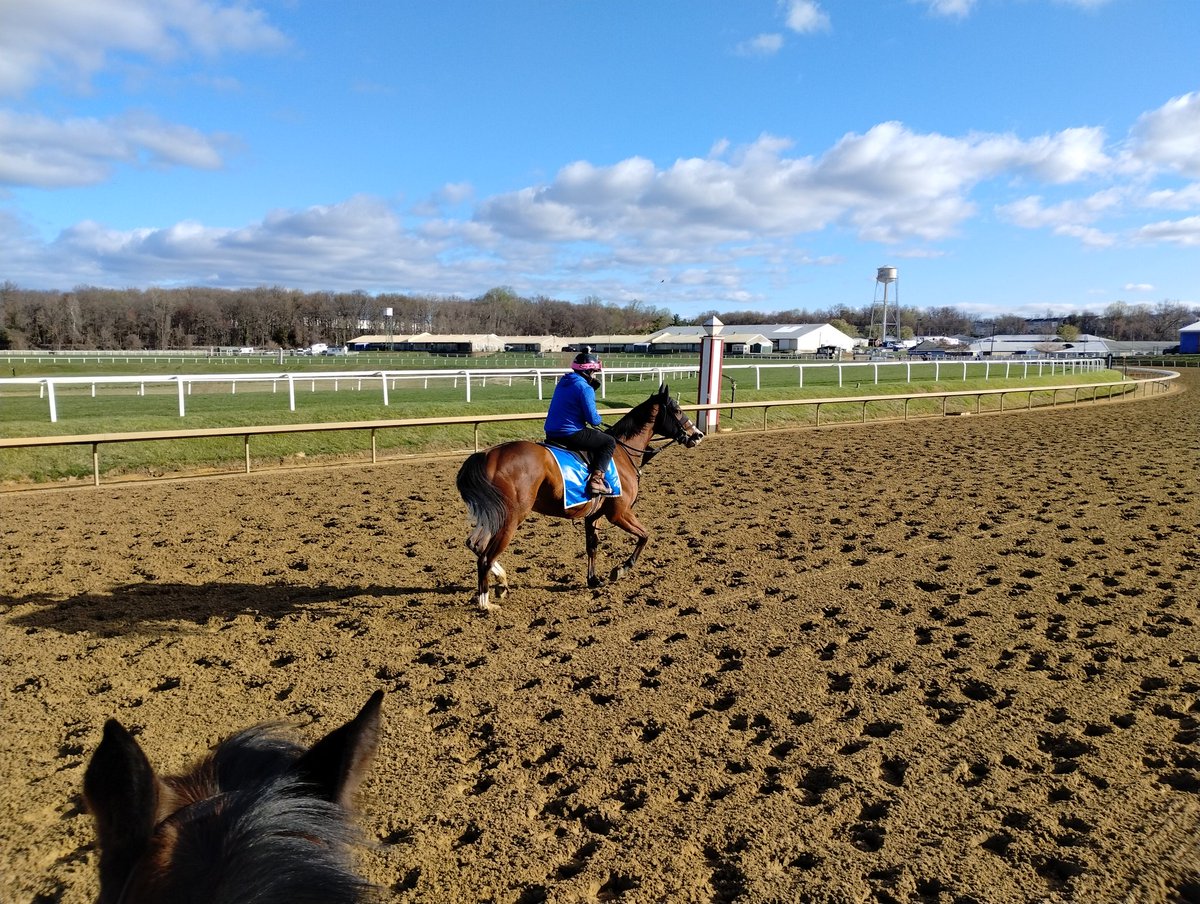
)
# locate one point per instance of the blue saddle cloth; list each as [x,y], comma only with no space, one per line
[574,471]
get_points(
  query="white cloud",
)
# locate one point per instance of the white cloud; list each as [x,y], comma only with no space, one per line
[72,40]
[36,151]
[358,240]
[1185,232]
[888,185]
[1073,218]
[1137,287]
[1186,198]
[958,9]
[1169,137]
[739,209]
[805,16]
[762,45]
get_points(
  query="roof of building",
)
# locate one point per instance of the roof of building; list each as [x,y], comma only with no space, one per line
[672,336]
[772,331]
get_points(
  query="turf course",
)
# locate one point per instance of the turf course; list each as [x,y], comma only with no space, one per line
[132,408]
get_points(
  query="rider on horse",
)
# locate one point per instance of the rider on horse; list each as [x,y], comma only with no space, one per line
[573,421]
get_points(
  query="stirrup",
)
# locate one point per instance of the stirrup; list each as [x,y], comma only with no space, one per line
[597,485]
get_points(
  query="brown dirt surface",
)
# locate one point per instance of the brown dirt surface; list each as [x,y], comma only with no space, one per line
[953,660]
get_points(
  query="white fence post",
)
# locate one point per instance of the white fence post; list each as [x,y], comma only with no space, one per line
[179,390]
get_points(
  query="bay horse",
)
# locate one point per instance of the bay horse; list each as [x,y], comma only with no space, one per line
[502,485]
[260,819]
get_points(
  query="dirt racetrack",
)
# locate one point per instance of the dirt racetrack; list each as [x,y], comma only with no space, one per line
[944,661]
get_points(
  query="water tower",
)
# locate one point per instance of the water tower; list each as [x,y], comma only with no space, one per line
[886,276]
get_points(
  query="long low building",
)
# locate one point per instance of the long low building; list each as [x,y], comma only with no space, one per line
[1082,346]
[750,339]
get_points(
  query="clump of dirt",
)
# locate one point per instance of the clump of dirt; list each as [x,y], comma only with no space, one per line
[946,660]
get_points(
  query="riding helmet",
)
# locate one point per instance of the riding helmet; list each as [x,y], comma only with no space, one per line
[586,363]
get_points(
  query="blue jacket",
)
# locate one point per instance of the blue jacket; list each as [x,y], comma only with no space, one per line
[573,406]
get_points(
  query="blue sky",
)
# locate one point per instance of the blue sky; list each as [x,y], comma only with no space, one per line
[1007,156]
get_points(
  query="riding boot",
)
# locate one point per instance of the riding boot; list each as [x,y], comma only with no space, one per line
[597,485]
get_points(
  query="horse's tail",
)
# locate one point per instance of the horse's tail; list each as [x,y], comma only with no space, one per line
[485,505]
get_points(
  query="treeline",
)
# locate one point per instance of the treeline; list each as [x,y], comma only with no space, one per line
[1120,321]
[265,317]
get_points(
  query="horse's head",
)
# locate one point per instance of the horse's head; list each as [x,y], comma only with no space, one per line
[260,811]
[673,423]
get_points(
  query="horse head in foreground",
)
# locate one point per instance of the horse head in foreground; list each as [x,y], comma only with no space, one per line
[260,819]
[502,485]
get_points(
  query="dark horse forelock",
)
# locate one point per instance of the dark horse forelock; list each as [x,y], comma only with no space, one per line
[260,820]
[274,845]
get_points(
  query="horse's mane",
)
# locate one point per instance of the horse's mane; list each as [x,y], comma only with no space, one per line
[272,841]
[636,419]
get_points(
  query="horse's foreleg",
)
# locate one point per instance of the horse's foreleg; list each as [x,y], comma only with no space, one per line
[629,523]
[592,543]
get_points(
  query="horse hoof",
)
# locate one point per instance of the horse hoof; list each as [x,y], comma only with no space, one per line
[488,607]
[594,581]
[616,575]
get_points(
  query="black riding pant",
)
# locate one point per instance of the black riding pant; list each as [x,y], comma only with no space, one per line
[598,444]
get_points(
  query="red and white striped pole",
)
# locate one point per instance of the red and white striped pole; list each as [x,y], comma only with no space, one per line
[712,348]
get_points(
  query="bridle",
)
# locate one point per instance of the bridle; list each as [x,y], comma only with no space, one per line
[685,429]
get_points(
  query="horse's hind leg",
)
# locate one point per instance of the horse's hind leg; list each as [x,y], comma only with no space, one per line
[483,572]
[501,578]
[489,569]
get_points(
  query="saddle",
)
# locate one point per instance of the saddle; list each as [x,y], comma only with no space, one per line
[574,468]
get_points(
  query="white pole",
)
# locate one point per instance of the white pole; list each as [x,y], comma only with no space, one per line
[385,391]
[179,390]
[291,393]
[53,405]
[709,391]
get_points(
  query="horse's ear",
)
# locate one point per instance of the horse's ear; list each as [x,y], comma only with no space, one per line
[336,764]
[121,791]
[663,389]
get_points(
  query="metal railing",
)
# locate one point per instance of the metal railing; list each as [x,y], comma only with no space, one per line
[856,372]
[1157,381]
